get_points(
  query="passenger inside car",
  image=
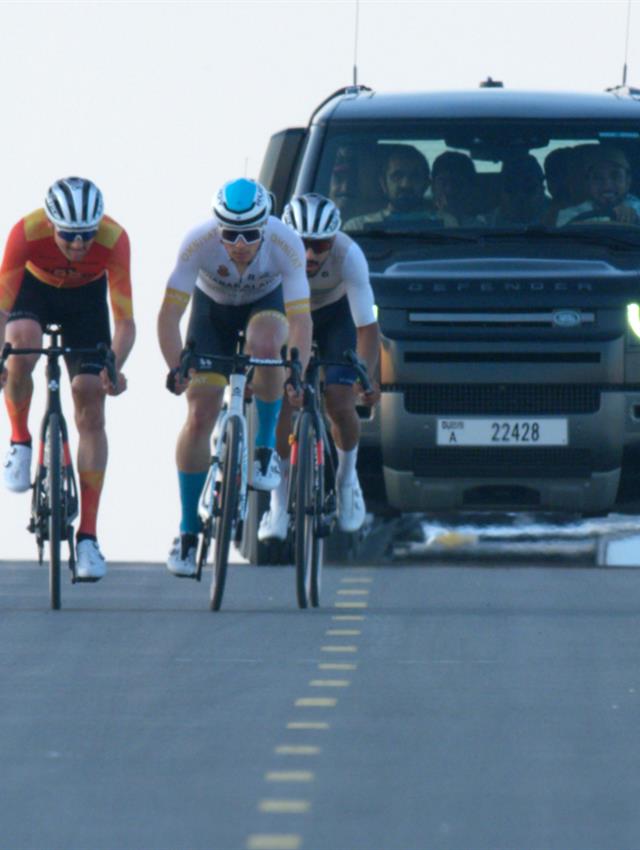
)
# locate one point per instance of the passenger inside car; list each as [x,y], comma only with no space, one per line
[557,171]
[607,185]
[404,180]
[454,187]
[522,196]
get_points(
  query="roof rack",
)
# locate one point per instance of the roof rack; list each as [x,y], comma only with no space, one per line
[352,89]
[624,91]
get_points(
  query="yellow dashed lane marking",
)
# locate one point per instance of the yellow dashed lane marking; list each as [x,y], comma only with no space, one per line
[316,702]
[351,605]
[290,776]
[337,666]
[302,750]
[301,724]
[284,807]
[348,617]
[329,683]
[342,632]
[274,842]
[339,648]
[356,580]
[353,593]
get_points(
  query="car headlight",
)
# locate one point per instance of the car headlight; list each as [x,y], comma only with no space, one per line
[633,319]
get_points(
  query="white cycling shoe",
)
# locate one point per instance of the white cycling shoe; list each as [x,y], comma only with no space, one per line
[351,509]
[17,468]
[90,562]
[266,469]
[273,525]
[182,557]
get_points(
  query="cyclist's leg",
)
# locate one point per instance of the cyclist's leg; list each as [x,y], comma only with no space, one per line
[335,332]
[24,330]
[267,332]
[84,316]
[29,314]
[212,329]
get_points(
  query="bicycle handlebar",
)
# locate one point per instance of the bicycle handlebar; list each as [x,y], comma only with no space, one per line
[107,355]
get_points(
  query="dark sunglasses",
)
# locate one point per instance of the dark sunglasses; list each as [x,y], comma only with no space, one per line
[72,235]
[249,236]
[318,246]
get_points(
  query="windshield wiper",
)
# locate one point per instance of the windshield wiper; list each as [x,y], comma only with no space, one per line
[577,233]
[435,236]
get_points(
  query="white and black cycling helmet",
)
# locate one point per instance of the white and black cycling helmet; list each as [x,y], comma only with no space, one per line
[75,204]
[312,216]
[242,204]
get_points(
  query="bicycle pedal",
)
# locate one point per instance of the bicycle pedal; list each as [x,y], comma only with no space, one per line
[323,529]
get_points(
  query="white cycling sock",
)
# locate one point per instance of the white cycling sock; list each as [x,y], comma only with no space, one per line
[279,494]
[346,472]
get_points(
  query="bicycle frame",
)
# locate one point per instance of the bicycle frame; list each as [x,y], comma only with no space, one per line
[37,523]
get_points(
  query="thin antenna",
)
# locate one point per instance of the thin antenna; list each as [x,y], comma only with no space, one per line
[626,46]
[355,46]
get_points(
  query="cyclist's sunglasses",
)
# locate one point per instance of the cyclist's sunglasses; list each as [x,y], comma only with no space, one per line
[72,235]
[318,246]
[249,236]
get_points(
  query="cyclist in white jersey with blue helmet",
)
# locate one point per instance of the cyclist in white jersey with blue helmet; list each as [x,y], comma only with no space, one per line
[243,270]
[343,314]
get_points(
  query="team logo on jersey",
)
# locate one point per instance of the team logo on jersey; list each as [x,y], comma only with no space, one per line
[223,271]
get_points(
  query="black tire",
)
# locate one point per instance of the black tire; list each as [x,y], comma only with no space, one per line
[317,552]
[54,498]
[306,542]
[230,487]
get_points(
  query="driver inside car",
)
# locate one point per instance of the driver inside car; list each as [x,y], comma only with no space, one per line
[608,181]
[404,181]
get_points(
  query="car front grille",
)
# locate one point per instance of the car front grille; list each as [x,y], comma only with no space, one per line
[498,399]
[514,462]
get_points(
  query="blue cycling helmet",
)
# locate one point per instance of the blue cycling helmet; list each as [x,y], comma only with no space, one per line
[242,204]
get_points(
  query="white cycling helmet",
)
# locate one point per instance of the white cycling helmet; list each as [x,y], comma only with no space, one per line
[242,204]
[312,216]
[74,203]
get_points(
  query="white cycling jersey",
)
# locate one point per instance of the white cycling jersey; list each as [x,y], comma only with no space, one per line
[345,271]
[203,262]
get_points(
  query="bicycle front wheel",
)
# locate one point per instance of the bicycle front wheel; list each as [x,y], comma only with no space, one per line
[227,509]
[53,451]
[306,509]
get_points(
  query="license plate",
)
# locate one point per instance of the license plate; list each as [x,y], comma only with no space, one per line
[502,432]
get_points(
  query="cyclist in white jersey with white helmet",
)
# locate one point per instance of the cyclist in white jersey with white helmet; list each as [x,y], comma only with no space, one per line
[243,270]
[343,314]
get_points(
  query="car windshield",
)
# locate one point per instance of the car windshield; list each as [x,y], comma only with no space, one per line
[492,177]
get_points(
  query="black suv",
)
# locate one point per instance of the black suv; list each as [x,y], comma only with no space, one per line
[506,273]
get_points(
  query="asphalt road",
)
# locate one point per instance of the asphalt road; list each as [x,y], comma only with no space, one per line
[422,708]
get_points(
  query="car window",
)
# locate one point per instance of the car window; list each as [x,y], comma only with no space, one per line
[486,175]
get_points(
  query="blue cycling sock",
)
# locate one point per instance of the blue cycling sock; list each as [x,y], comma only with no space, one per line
[268,412]
[191,484]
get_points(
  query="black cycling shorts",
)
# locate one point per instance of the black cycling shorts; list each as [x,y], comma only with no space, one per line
[82,312]
[214,327]
[334,332]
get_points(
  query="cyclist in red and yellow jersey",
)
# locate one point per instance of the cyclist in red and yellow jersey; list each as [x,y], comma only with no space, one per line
[58,265]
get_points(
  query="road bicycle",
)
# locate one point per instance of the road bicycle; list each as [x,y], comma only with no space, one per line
[54,501]
[223,504]
[311,496]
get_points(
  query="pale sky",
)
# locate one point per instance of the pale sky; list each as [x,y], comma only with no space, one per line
[159,103]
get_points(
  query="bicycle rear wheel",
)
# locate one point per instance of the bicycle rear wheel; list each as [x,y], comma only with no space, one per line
[53,451]
[227,507]
[306,495]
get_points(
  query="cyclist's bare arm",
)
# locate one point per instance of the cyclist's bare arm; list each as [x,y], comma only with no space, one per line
[369,350]
[169,335]
[124,335]
[300,332]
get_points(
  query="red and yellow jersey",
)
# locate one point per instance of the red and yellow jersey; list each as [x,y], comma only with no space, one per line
[31,247]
